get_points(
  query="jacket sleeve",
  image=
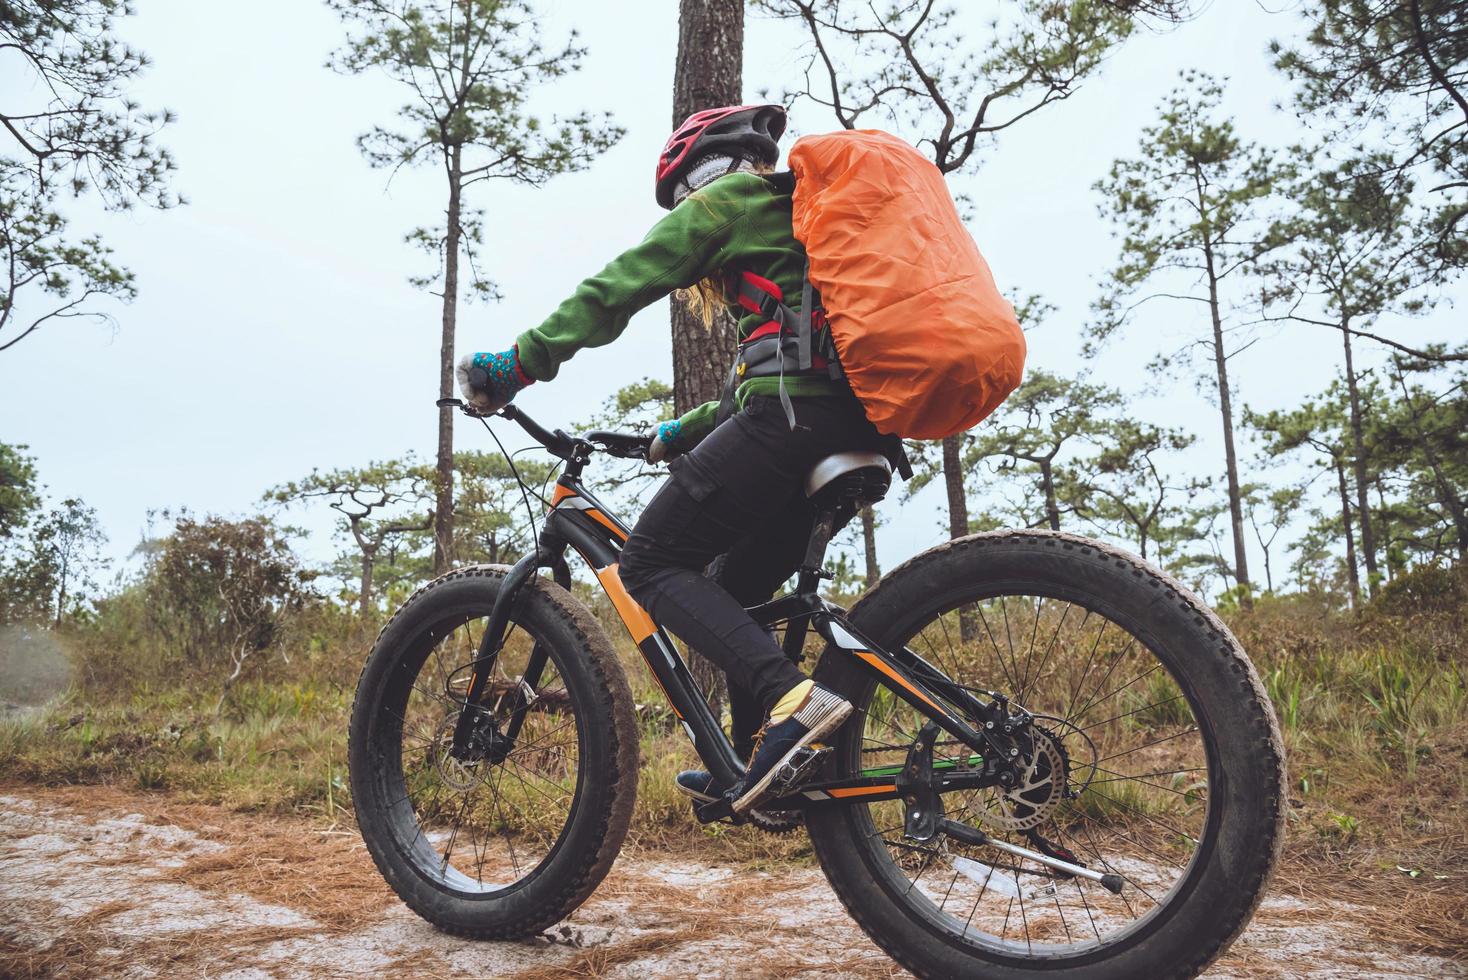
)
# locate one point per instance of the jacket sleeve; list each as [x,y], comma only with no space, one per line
[685,246]
[694,425]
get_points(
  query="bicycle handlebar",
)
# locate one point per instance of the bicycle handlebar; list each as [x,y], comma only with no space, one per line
[558,442]
[623,445]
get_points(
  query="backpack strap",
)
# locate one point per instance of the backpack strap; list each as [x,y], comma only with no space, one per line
[807,306]
[765,297]
[896,451]
[781,181]
[760,295]
[726,398]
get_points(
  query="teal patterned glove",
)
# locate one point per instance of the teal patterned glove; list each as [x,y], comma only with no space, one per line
[489,382]
[665,444]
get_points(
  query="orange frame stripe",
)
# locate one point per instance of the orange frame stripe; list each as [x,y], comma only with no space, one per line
[863,790]
[606,521]
[633,616]
[877,662]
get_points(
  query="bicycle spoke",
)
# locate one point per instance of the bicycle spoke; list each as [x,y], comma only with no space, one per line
[1091,704]
[1024,681]
[491,821]
[1134,711]
[984,620]
[1024,920]
[1145,745]
[1040,671]
[1074,661]
[1086,670]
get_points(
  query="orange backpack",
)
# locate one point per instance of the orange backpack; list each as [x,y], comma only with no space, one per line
[925,339]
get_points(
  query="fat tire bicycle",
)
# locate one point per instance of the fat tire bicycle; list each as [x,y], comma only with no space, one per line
[1060,761]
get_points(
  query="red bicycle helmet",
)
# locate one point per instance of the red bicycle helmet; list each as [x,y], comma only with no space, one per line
[749,131]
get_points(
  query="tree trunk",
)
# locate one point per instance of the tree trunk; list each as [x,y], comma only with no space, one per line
[1358,462]
[364,595]
[443,474]
[709,72]
[1352,576]
[60,598]
[968,625]
[1231,461]
[1047,483]
[953,483]
[869,543]
[1447,494]
[1386,532]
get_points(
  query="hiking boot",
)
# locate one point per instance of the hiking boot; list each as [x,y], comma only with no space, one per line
[815,712]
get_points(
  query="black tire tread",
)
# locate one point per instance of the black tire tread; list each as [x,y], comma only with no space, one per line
[577,881]
[1265,729]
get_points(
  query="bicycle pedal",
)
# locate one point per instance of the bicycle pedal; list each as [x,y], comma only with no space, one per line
[713,811]
[801,765]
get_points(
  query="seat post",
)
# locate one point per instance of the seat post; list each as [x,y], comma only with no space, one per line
[809,580]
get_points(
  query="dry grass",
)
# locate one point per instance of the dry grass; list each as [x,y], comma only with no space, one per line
[325,874]
[1374,708]
[333,881]
[89,948]
[797,931]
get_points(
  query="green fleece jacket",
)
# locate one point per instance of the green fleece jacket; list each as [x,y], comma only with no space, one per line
[736,223]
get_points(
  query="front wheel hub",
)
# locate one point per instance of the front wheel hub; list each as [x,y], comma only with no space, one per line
[483,743]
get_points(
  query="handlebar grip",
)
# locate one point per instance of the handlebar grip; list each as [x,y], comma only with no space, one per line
[625,445]
[557,442]
[478,378]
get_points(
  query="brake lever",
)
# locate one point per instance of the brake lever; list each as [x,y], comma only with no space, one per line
[468,409]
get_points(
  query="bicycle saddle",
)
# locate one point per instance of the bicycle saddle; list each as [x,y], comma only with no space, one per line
[858,478]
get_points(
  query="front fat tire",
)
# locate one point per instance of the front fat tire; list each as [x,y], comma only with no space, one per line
[607,731]
[1226,887]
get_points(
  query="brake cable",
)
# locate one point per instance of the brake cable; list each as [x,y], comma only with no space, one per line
[514,471]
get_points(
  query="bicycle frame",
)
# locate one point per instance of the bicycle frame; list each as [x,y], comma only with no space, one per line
[577,520]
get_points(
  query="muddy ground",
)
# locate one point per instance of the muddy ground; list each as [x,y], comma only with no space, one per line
[98,882]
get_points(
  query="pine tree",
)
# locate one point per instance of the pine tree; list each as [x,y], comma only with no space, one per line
[470,67]
[1189,209]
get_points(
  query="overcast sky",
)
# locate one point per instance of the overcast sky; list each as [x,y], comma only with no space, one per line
[275,330]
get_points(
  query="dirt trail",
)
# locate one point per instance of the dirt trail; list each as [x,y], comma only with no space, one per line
[95,882]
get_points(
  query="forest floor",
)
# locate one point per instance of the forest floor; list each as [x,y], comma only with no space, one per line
[96,881]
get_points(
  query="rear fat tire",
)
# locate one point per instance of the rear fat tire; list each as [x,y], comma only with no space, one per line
[1226,885]
[607,762]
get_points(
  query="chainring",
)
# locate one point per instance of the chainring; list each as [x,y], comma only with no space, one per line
[778,822]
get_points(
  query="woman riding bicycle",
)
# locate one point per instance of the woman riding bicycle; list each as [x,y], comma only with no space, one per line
[735,487]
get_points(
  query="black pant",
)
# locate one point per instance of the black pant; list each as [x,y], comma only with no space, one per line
[739,494]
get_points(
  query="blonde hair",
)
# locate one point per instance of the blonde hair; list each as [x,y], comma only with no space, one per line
[707,298]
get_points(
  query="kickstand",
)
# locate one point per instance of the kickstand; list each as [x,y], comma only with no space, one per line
[923,809]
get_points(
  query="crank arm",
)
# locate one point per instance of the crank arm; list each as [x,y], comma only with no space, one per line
[976,837]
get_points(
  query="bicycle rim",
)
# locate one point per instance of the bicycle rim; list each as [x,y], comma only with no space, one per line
[487,826]
[1118,779]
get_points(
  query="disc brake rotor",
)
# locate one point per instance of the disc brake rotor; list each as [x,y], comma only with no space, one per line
[457,775]
[1040,789]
